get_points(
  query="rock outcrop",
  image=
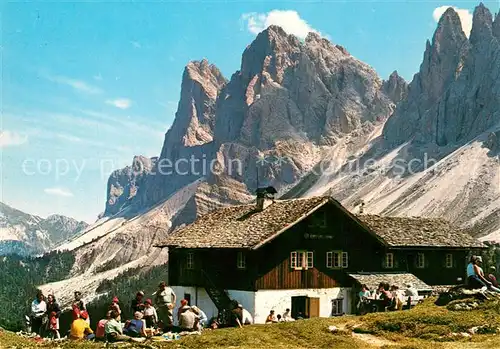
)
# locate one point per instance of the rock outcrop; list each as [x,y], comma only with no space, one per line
[123,184]
[396,88]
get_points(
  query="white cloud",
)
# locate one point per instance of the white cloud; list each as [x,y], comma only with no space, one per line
[289,20]
[10,138]
[78,85]
[58,192]
[98,77]
[464,14]
[122,103]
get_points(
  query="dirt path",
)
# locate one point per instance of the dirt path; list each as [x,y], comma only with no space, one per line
[372,340]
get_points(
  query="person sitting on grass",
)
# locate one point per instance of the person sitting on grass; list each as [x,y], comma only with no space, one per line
[271,318]
[113,329]
[203,317]
[184,305]
[116,307]
[188,320]
[99,332]
[475,275]
[80,328]
[135,327]
[492,278]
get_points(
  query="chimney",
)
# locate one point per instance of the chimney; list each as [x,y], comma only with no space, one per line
[265,197]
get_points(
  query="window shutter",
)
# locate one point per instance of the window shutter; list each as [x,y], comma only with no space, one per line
[309,260]
[293,260]
[345,260]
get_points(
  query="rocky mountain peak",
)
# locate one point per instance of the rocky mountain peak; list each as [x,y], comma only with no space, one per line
[438,109]
[195,117]
[205,74]
[396,87]
[441,57]
[496,26]
[482,25]
[449,33]
[269,53]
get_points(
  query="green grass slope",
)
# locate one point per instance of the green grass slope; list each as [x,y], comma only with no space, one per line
[426,326]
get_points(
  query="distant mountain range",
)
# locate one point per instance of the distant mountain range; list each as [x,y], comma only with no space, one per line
[28,235]
[311,119]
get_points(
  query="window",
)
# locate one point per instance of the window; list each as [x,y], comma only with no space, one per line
[420,260]
[337,259]
[241,260]
[337,306]
[389,260]
[449,260]
[301,260]
[190,260]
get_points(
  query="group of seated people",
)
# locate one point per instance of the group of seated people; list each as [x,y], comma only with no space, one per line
[143,324]
[272,318]
[386,297]
[476,277]
[191,318]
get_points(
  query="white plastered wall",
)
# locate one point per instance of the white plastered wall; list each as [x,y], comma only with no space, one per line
[201,299]
[279,300]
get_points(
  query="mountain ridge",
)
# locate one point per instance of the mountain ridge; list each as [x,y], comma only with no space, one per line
[25,234]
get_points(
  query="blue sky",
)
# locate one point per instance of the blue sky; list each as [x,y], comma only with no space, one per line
[88,85]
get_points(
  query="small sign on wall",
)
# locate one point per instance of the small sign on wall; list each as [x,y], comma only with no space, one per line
[317,237]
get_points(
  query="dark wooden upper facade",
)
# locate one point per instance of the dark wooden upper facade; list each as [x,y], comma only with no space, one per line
[339,245]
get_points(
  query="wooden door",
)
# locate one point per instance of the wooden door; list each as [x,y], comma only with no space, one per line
[312,307]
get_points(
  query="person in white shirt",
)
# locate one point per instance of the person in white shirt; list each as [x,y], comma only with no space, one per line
[38,312]
[411,291]
[150,314]
[247,317]
[241,316]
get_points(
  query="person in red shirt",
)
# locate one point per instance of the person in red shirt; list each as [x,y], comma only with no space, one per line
[99,332]
[116,307]
[492,278]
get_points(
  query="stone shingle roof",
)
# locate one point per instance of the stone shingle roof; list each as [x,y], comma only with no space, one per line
[418,231]
[242,226]
[372,280]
